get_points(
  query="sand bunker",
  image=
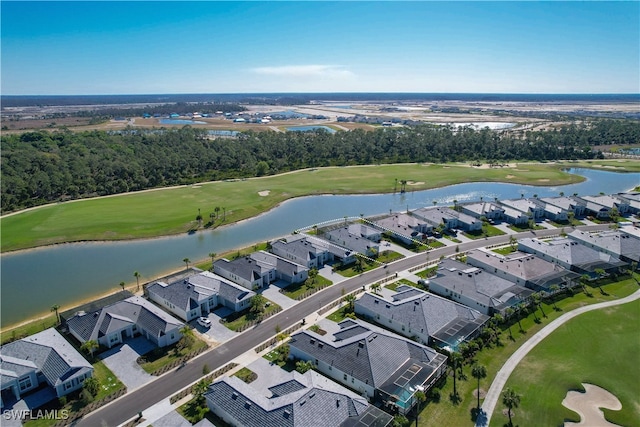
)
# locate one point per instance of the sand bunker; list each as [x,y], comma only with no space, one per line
[415,182]
[510,176]
[544,180]
[588,405]
[264,193]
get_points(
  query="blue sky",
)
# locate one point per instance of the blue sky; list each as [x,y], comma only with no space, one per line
[64,48]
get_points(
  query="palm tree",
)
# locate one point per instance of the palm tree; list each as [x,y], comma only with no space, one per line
[511,400]
[137,276]
[420,397]
[217,211]
[90,346]
[213,257]
[186,261]
[375,287]
[122,285]
[313,273]
[199,389]
[508,313]
[519,306]
[455,359]
[537,302]
[55,308]
[350,300]
[478,372]
[554,289]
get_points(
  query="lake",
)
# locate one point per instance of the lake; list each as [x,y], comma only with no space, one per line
[310,128]
[180,122]
[34,280]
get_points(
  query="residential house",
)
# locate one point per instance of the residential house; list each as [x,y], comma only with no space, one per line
[632,199]
[449,218]
[571,255]
[515,216]
[414,313]
[489,210]
[113,324]
[571,204]
[595,209]
[613,242]
[534,210]
[366,231]
[290,399]
[369,360]
[523,269]
[405,228]
[311,251]
[199,294]
[476,288]
[245,271]
[353,242]
[45,357]
[286,270]
[611,202]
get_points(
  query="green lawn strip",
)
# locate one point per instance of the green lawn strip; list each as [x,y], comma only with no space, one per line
[487,231]
[30,328]
[239,321]
[246,375]
[446,413]
[393,286]
[173,210]
[504,251]
[428,272]
[600,348]
[161,357]
[366,264]
[295,290]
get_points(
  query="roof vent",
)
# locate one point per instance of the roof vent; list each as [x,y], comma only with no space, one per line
[234,395]
[247,404]
[287,413]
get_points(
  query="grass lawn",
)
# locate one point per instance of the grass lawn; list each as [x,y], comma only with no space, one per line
[504,251]
[445,413]
[246,375]
[393,286]
[488,230]
[163,356]
[173,210]
[429,272]
[601,348]
[366,265]
[237,321]
[297,289]
[29,329]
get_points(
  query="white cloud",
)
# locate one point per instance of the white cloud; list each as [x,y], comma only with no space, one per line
[332,71]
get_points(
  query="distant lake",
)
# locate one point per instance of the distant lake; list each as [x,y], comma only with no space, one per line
[310,128]
[34,280]
[180,122]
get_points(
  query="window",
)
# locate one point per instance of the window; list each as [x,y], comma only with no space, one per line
[344,377]
[25,383]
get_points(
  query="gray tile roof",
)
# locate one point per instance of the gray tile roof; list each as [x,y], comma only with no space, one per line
[421,311]
[342,237]
[568,203]
[435,216]
[134,310]
[483,208]
[299,246]
[310,400]
[613,241]
[402,224]
[281,265]
[570,252]
[46,351]
[478,285]
[371,356]
[244,267]
[188,293]
[527,267]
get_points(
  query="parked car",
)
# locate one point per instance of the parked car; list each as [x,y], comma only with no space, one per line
[203,321]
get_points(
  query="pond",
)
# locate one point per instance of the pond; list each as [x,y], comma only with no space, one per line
[34,280]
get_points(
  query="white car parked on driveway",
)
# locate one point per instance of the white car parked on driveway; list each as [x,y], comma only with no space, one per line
[203,321]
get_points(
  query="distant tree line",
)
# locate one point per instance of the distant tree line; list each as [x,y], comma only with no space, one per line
[42,167]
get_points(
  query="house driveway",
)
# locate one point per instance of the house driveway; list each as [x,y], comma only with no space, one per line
[327,273]
[122,362]
[217,332]
[272,293]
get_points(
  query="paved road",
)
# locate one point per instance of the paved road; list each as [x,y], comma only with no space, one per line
[129,405]
[490,401]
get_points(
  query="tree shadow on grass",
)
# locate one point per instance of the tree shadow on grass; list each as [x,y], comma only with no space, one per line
[455,398]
